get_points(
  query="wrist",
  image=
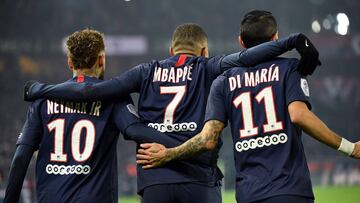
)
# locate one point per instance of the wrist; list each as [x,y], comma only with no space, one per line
[346,147]
[169,154]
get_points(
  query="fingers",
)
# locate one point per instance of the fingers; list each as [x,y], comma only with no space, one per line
[146,165]
[143,157]
[146,145]
[144,152]
[149,166]
[143,162]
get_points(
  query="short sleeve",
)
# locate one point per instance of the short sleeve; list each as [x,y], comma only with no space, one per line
[125,114]
[31,133]
[297,88]
[215,108]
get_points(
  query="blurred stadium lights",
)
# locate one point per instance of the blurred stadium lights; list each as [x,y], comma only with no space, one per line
[342,24]
[316,26]
[121,45]
[326,24]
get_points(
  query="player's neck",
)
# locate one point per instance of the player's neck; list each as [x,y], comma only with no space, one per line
[186,53]
[85,72]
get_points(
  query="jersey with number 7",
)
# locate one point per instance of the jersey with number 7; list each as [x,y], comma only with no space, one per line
[173,95]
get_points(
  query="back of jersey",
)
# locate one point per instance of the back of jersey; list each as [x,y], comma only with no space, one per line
[77,160]
[267,147]
[173,97]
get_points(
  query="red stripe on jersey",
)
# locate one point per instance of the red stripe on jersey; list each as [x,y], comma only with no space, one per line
[181,60]
[80,79]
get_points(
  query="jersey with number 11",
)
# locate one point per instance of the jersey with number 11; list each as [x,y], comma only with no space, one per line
[269,156]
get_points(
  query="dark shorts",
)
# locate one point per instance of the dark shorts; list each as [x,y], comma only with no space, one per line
[286,199]
[181,193]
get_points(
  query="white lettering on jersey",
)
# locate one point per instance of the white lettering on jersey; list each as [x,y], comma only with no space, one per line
[172,75]
[176,127]
[67,169]
[58,107]
[234,82]
[261,142]
[252,79]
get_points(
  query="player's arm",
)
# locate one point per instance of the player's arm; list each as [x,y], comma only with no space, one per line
[141,133]
[128,122]
[17,173]
[27,143]
[313,126]
[114,88]
[266,51]
[297,99]
[154,155]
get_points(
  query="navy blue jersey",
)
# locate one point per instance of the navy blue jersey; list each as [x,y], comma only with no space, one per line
[76,161]
[269,155]
[173,95]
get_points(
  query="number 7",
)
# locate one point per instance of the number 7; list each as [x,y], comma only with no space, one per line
[179,92]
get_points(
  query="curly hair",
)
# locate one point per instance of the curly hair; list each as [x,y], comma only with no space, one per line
[84,47]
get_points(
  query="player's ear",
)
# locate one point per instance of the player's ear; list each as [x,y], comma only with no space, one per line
[241,42]
[204,52]
[101,60]
[70,64]
[275,36]
[171,51]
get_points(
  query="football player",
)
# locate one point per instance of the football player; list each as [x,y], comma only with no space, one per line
[267,106]
[173,95]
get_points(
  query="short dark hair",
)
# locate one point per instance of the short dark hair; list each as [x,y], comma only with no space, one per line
[84,47]
[257,27]
[189,36]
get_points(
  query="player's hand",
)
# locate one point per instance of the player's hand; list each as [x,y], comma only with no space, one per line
[309,56]
[356,152]
[151,155]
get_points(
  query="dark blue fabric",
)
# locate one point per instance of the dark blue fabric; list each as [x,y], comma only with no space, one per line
[265,167]
[100,184]
[286,199]
[131,80]
[17,172]
[181,193]
[152,81]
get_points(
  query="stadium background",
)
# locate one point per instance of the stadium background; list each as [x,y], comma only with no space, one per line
[31,47]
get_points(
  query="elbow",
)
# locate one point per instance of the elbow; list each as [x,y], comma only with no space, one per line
[298,111]
[297,117]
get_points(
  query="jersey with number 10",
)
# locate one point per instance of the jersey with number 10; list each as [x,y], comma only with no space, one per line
[173,96]
[77,160]
[269,155]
